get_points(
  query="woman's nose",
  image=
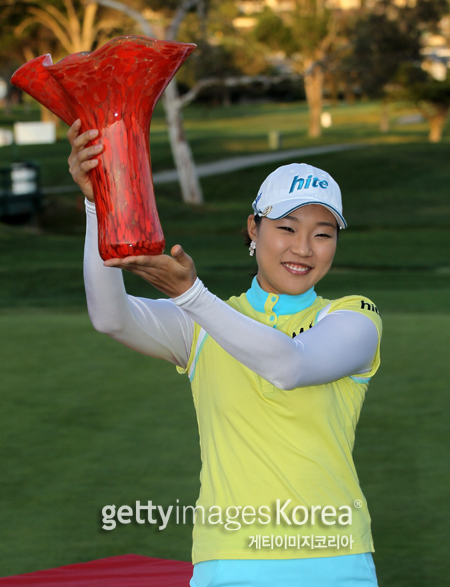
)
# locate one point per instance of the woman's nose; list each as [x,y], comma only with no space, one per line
[302,247]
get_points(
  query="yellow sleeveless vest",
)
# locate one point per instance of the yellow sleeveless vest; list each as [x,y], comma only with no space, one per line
[278,479]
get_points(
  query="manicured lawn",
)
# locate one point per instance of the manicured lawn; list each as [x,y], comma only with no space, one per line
[398,236]
[216,133]
[86,422]
[400,456]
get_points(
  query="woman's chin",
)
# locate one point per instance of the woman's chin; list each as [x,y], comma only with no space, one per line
[295,289]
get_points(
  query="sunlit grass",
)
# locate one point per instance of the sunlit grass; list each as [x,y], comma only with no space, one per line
[87,422]
[216,133]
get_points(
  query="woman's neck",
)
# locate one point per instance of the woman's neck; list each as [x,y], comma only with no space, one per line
[281,304]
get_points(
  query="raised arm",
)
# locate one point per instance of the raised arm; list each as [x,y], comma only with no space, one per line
[341,344]
[153,327]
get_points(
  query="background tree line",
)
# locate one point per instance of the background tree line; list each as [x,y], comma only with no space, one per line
[251,49]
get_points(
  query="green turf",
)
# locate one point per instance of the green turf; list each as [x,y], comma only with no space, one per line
[216,133]
[399,250]
[88,422]
[399,454]
[93,425]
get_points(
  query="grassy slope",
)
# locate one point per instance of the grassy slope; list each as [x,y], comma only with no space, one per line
[402,250]
[84,420]
[215,133]
[95,425]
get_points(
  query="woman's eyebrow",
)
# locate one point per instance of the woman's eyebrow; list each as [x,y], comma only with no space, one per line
[326,224]
[289,217]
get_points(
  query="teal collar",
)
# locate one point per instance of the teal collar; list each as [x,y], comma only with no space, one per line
[285,304]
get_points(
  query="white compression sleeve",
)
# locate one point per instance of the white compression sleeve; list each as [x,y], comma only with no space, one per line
[343,343]
[154,327]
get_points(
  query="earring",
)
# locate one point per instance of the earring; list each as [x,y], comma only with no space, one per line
[252,248]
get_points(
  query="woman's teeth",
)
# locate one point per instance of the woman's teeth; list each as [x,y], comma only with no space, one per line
[297,268]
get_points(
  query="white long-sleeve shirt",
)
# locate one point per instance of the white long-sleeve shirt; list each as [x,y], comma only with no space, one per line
[342,343]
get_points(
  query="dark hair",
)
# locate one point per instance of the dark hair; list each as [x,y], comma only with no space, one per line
[244,231]
[257,219]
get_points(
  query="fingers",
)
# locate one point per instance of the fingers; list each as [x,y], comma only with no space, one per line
[171,275]
[86,167]
[81,157]
[150,268]
[137,262]
[180,256]
[153,261]
[73,131]
[86,154]
[80,141]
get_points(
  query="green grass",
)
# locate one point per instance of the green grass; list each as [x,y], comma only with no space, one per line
[216,133]
[88,422]
[94,425]
[401,251]
[403,469]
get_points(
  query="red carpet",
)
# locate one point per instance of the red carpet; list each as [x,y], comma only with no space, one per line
[129,570]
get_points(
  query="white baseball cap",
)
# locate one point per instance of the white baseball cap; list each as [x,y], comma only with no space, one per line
[291,186]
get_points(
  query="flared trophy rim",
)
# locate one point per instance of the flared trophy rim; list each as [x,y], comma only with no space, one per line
[117,42]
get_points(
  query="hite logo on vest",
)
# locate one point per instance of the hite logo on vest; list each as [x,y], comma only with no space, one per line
[366,306]
[294,334]
[302,183]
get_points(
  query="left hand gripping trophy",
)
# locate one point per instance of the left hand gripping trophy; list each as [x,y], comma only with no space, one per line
[115,90]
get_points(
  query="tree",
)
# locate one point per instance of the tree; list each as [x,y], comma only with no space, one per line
[306,35]
[379,47]
[432,99]
[386,41]
[76,32]
[58,27]
[181,151]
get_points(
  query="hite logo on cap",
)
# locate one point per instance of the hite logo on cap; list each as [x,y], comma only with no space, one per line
[301,183]
[295,185]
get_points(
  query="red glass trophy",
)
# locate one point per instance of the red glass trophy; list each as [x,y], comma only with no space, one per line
[113,89]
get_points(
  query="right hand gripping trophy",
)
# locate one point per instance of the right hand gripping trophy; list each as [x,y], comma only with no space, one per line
[115,90]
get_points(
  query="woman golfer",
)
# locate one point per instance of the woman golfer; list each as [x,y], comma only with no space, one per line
[278,377]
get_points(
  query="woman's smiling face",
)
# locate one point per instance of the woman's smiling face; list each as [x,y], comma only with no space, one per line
[294,252]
